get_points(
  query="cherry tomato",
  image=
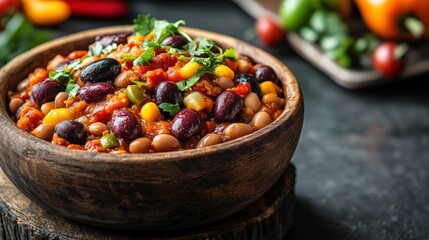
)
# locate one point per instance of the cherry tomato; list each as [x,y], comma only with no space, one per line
[7,5]
[269,31]
[386,61]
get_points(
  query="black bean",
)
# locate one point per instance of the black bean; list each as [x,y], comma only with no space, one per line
[125,125]
[103,70]
[186,124]
[46,91]
[72,131]
[227,107]
[95,92]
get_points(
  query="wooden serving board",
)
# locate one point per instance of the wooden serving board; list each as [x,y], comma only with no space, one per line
[268,218]
[417,59]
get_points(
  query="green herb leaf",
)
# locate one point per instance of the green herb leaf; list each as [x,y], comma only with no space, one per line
[72,88]
[145,58]
[62,76]
[162,29]
[143,25]
[188,83]
[172,109]
[230,53]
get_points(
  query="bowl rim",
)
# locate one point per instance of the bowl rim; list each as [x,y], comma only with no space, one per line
[290,87]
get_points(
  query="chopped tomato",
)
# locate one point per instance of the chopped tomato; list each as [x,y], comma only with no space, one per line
[76,55]
[154,77]
[242,89]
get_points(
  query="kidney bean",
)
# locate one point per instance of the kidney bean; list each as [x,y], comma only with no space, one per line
[227,106]
[167,92]
[186,124]
[95,92]
[125,125]
[265,73]
[46,91]
[176,41]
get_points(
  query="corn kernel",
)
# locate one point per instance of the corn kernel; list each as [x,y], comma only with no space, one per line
[268,87]
[189,69]
[225,71]
[150,112]
[57,115]
[195,101]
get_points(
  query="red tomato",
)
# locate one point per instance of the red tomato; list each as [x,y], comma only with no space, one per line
[269,31]
[6,5]
[385,60]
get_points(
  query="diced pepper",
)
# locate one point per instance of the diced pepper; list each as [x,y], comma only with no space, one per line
[135,93]
[57,115]
[109,141]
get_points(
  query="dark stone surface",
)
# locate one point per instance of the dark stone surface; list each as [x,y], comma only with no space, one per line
[363,157]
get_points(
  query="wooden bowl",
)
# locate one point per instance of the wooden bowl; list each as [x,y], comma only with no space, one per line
[153,191]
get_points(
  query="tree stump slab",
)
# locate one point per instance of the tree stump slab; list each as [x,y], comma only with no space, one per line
[268,218]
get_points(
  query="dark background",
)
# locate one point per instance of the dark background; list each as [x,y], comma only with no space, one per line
[363,156]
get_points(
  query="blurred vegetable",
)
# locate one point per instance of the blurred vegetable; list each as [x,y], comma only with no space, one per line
[269,31]
[388,58]
[8,5]
[101,9]
[396,19]
[46,13]
[343,7]
[295,14]
[18,36]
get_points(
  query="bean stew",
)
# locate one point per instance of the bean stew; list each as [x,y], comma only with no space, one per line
[154,90]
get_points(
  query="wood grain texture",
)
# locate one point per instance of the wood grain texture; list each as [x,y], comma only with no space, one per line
[268,218]
[147,191]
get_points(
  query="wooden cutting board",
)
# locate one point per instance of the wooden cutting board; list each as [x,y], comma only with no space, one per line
[417,59]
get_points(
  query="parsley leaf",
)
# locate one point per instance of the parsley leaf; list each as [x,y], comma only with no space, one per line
[143,25]
[188,83]
[162,29]
[145,58]
[62,76]
[172,109]
[230,53]
[72,88]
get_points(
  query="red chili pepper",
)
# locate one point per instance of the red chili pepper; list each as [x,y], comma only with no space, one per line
[102,9]
[242,89]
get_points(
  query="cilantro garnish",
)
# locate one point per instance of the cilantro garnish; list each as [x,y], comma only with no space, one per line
[172,109]
[145,58]
[66,77]
[143,25]
[188,83]
[162,29]
[72,88]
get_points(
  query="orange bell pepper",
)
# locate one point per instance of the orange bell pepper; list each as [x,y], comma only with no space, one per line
[396,19]
[45,13]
